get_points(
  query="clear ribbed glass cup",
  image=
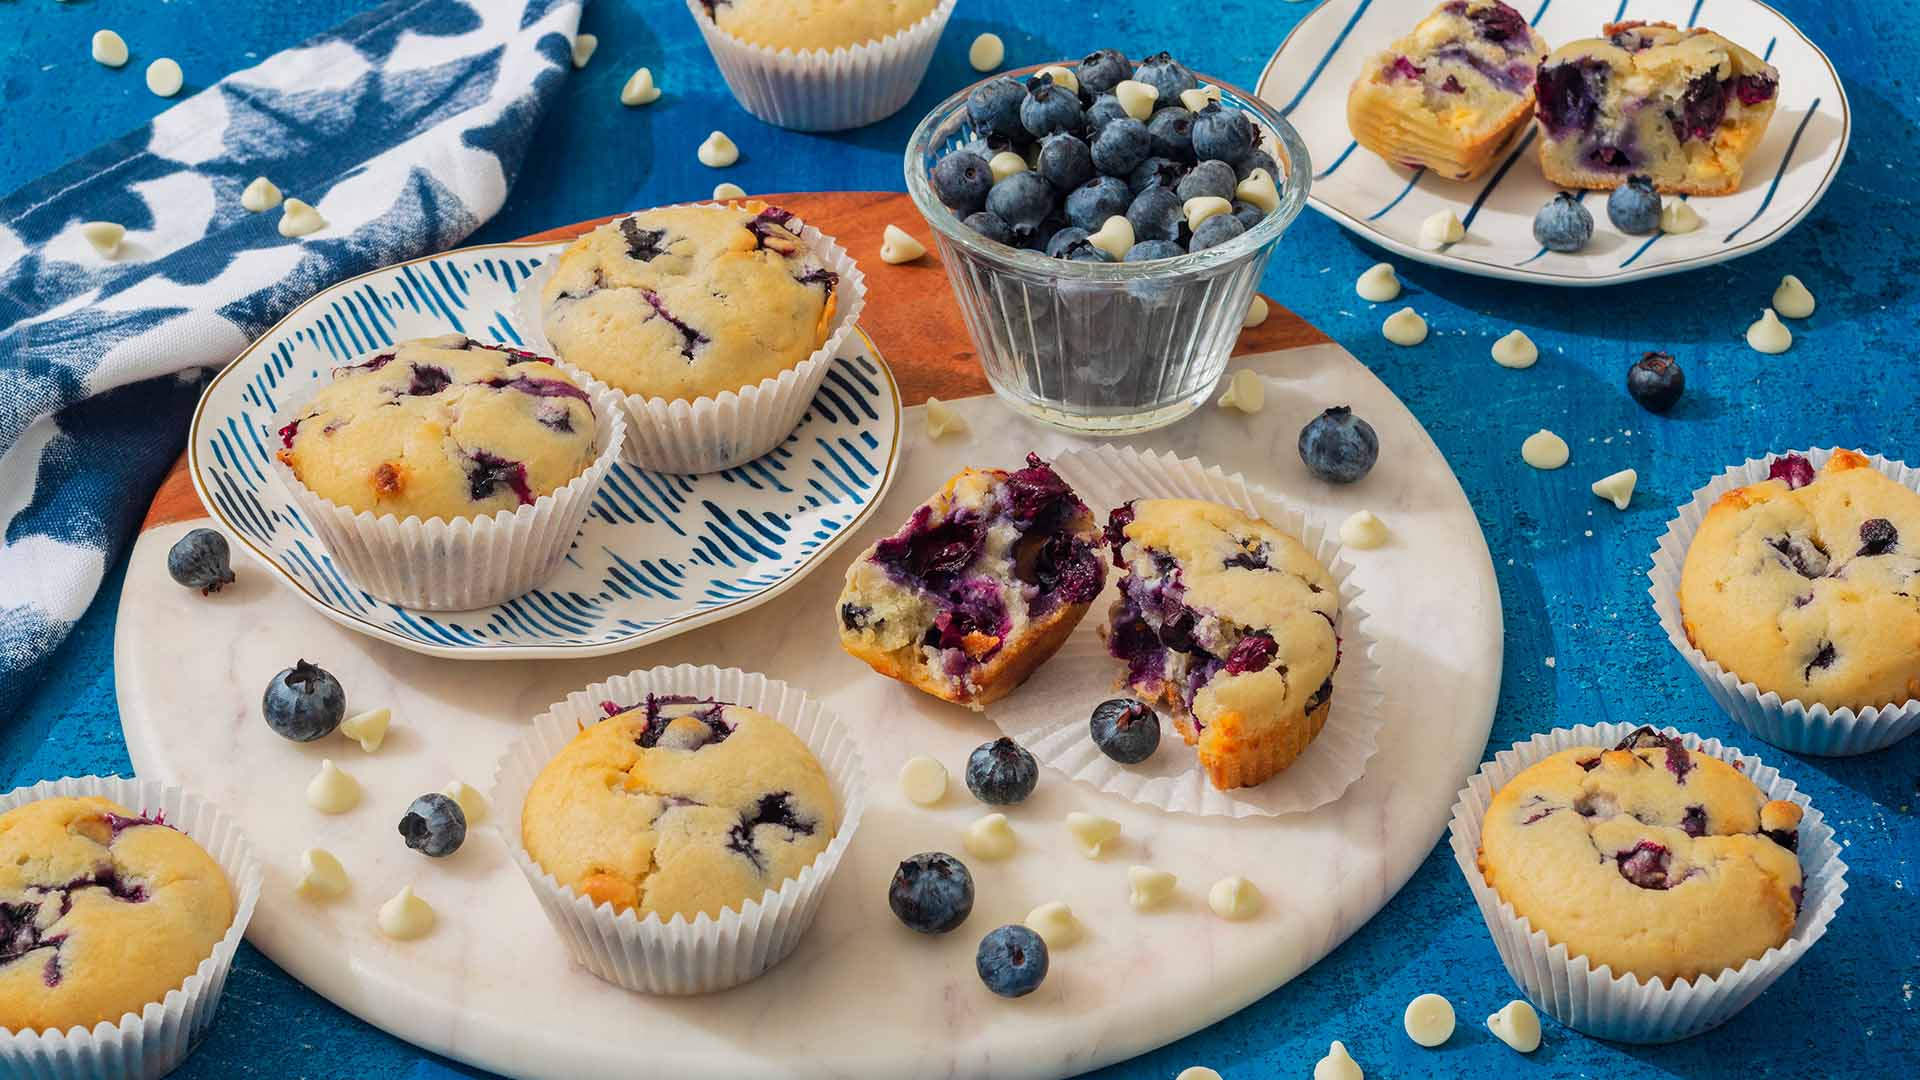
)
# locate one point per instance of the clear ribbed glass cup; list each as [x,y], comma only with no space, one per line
[1103,348]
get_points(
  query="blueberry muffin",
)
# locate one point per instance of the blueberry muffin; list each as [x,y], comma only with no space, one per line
[1684,107]
[1452,93]
[689,301]
[1647,858]
[102,911]
[1803,585]
[443,427]
[801,25]
[980,586]
[680,807]
[1230,623]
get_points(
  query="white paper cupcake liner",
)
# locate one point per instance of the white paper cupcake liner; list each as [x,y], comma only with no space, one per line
[1621,1008]
[1789,724]
[441,565]
[821,90]
[678,956]
[157,1039]
[1049,715]
[713,433]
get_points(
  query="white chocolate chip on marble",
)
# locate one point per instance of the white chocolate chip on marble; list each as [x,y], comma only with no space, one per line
[260,196]
[109,48]
[164,77]
[1245,391]
[1063,77]
[1056,924]
[1092,832]
[299,219]
[1379,284]
[989,837]
[1792,300]
[1442,227]
[1617,488]
[1364,531]
[1429,1020]
[1405,327]
[923,781]
[406,916]
[104,236]
[1115,237]
[583,46]
[1201,207]
[369,729]
[1257,313]
[987,52]
[472,804]
[1517,1025]
[1515,350]
[1234,898]
[1259,190]
[1769,335]
[1136,98]
[1005,164]
[1148,888]
[898,246]
[1199,97]
[1678,216]
[639,89]
[332,791]
[321,875]
[718,151]
[942,420]
[1198,1072]
[1544,450]
[1337,1065]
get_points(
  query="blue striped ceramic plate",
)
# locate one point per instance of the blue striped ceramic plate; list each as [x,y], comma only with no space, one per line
[658,555]
[1307,79]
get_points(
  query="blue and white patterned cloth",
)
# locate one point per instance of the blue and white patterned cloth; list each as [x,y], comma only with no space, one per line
[404,127]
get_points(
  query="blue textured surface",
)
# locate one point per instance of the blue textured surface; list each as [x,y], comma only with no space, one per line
[1848,1009]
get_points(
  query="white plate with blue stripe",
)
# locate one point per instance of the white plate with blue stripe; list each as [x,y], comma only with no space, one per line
[658,555]
[1308,77]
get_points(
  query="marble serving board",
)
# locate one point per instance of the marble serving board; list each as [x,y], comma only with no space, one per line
[862,996]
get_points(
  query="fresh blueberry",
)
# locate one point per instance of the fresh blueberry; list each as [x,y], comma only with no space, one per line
[1155,214]
[1055,220]
[1215,231]
[1125,730]
[1656,382]
[931,892]
[1155,172]
[1065,162]
[1338,446]
[1058,243]
[1105,110]
[1085,251]
[201,559]
[1002,772]
[434,825]
[1171,128]
[1012,961]
[1259,159]
[1222,133]
[1249,214]
[1022,201]
[1207,178]
[1147,250]
[1121,146]
[1563,224]
[994,107]
[1102,70]
[992,226]
[962,180]
[1634,207]
[1049,108]
[1092,203]
[304,703]
[1167,75]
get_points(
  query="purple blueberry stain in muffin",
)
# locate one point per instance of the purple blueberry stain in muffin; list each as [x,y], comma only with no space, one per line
[1254,652]
[1822,659]
[487,472]
[821,276]
[1694,821]
[1501,25]
[1877,537]
[1792,470]
[690,338]
[1569,95]
[1702,106]
[1755,89]
[1646,865]
[643,245]
[1406,68]
[1806,556]
[538,387]
[427,380]
[774,811]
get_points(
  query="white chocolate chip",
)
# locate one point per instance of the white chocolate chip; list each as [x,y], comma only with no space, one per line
[1769,335]
[406,916]
[1441,228]
[1148,888]
[1792,300]
[164,77]
[1617,488]
[332,791]
[1198,1072]
[260,196]
[989,837]
[718,151]
[1115,237]
[299,219]
[923,781]
[1337,1065]
[369,729]
[105,236]
[1257,313]
[1199,97]
[472,804]
[1245,392]
[1678,216]
[1517,1025]
[1363,530]
[726,189]
[1515,350]
[639,89]
[583,46]
[1405,327]
[1056,924]
[1379,284]
[1258,189]
[1234,898]
[1429,1020]
[1544,450]
[942,420]
[1092,832]
[898,246]
[1005,164]
[1136,98]
[1063,77]
[987,52]
[109,48]
[1201,207]
[321,875]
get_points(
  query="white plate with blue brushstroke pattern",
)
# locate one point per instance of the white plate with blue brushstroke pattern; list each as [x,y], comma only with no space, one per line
[1307,80]
[658,555]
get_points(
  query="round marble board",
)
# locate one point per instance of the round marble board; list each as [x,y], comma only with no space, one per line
[862,996]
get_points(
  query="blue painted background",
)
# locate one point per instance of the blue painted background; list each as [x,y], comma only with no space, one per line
[1581,641]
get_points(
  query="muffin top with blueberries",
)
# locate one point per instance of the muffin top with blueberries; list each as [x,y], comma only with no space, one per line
[1804,584]
[679,806]
[442,427]
[802,25]
[1650,858]
[689,301]
[102,910]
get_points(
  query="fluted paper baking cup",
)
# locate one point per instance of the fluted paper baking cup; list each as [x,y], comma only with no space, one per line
[825,90]
[705,954]
[1789,724]
[1049,714]
[732,428]
[154,1041]
[441,565]
[1620,1007]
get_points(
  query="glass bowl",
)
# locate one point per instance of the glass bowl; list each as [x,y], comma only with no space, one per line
[1103,348]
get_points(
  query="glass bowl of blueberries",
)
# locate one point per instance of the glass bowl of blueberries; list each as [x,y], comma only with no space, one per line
[1105,224]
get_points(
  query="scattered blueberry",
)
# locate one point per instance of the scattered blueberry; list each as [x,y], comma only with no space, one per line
[1121,146]
[1222,134]
[1154,249]
[1634,207]
[1877,536]
[434,825]
[1105,110]
[1249,214]
[1656,382]
[1215,231]
[1012,961]
[1155,172]
[1102,70]
[991,226]
[931,892]
[304,703]
[1156,214]
[962,180]
[1339,447]
[1058,243]
[1171,129]
[1092,203]
[1022,201]
[1049,108]
[994,107]
[1064,161]
[1002,772]
[1167,75]
[1125,730]
[1207,178]
[1563,224]
[201,560]
[1259,159]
